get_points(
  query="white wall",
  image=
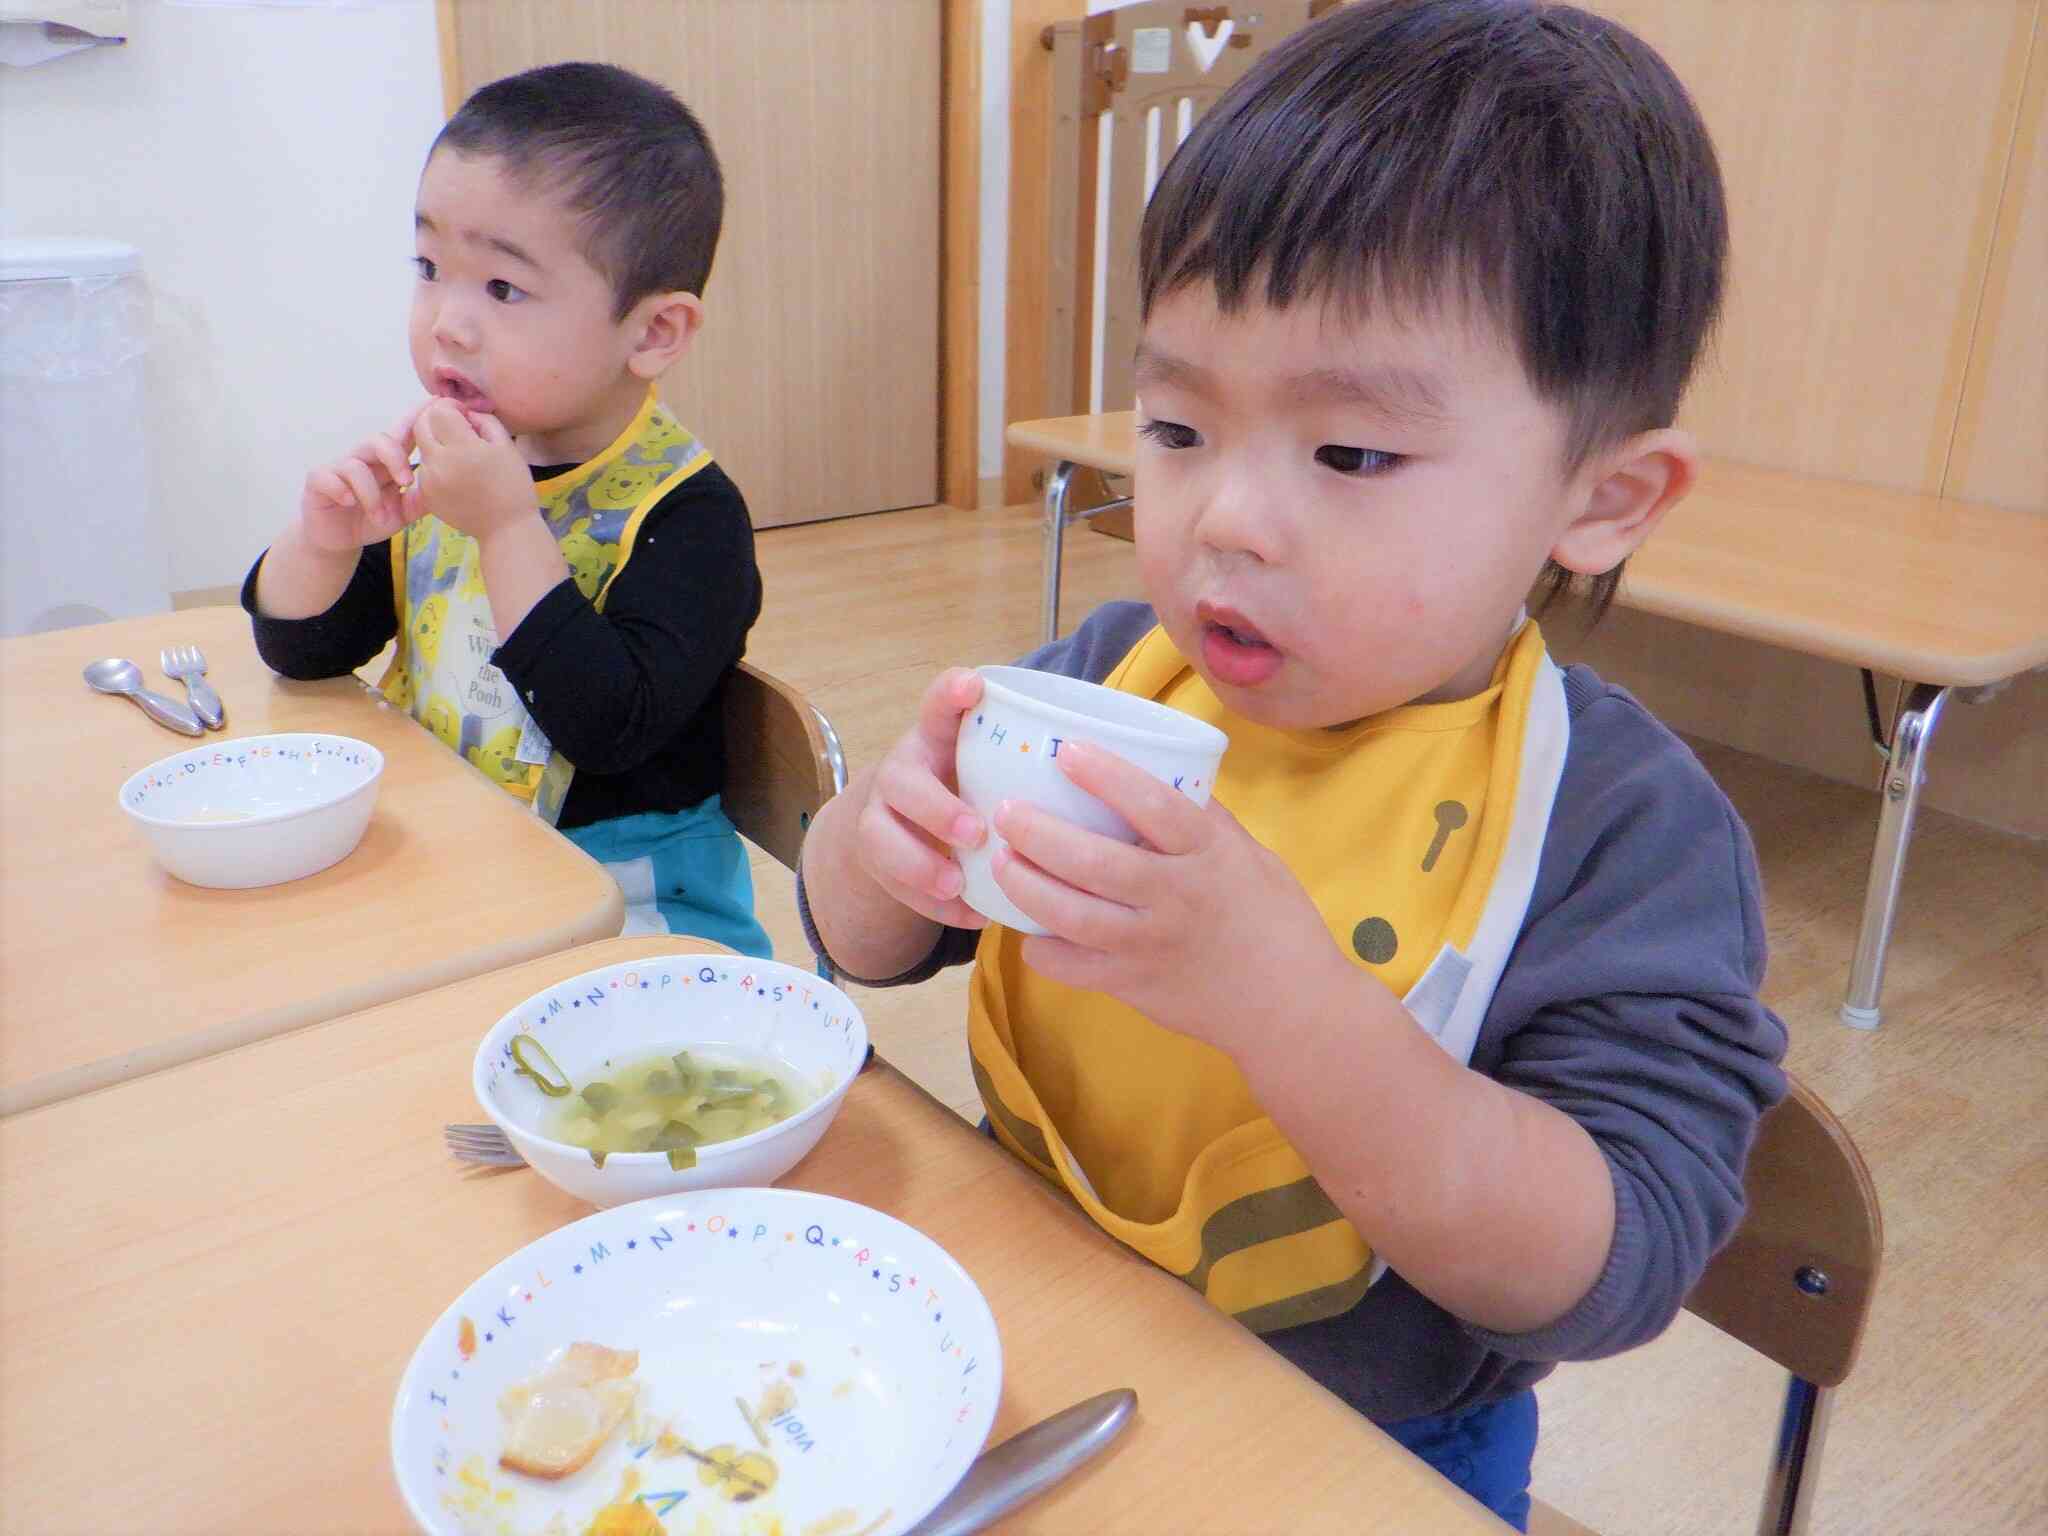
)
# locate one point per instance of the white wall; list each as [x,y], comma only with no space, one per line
[263,161]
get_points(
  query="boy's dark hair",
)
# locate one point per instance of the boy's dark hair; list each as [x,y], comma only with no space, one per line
[634,162]
[1539,161]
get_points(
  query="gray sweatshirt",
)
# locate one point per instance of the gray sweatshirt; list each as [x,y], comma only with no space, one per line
[1628,1003]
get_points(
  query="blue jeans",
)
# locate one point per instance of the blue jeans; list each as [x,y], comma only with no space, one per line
[1485,1450]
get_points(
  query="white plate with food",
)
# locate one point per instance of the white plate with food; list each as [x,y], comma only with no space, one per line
[731,1362]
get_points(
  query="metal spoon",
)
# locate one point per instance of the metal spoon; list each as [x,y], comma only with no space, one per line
[116,674]
[1028,1463]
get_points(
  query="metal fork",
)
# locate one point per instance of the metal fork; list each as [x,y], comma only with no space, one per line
[188,665]
[481,1144]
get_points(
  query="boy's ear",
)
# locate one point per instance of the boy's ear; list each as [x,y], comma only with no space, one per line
[663,325]
[1632,486]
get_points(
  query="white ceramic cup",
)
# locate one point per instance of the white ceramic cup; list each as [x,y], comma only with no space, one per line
[1008,741]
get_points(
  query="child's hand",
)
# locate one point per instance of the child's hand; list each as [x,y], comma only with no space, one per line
[470,474]
[1185,927]
[914,815]
[360,499]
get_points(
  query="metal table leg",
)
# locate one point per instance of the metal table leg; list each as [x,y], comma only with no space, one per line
[1055,535]
[1058,493]
[1905,771]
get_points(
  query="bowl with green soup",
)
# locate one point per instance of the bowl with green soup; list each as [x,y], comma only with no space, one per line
[678,1072]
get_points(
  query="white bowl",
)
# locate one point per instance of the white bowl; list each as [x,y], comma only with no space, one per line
[630,1011]
[1007,744]
[885,1345]
[256,810]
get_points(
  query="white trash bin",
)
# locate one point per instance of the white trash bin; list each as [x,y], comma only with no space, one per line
[80,541]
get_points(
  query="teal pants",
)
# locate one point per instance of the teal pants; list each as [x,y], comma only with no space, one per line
[682,872]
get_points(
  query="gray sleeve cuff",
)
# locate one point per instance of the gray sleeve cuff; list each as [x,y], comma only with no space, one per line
[1588,1330]
[947,950]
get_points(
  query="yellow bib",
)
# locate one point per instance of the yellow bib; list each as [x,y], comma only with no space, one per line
[1400,828]
[441,673]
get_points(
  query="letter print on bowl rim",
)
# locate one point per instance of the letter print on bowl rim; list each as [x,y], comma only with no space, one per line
[256,810]
[601,1020]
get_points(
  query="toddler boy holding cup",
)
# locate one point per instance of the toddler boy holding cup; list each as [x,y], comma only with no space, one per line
[1430,1047]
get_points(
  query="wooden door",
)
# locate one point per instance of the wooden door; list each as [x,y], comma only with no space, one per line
[816,378]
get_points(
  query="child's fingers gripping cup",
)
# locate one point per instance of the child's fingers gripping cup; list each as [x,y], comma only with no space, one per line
[1007,748]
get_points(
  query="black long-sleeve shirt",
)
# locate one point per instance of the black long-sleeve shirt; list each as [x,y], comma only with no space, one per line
[631,696]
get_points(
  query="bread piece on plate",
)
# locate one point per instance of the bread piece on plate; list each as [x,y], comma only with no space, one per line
[556,1421]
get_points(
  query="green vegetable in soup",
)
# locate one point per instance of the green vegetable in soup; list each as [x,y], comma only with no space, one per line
[524,1046]
[673,1136]
[674,1104]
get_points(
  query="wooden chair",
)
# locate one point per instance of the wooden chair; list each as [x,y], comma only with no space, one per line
[782,762]
[1794,1284]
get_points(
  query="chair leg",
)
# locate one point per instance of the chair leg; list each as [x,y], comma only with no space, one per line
[1905,771]
[835,754]
[1788,1495]
[1056,485]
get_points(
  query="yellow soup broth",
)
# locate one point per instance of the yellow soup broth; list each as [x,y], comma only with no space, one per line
[676,1102]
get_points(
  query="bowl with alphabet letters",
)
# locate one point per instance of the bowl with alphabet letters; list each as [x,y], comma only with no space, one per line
[677,1072]
[256,810]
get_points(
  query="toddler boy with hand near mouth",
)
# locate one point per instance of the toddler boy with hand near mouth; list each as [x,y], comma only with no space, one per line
[569,577]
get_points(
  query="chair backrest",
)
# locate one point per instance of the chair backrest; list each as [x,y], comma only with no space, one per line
[1128,86]
[782,761]
[1795,1281]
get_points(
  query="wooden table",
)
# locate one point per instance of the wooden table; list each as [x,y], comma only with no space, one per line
[110,968]
[1946,595]
[212,1278]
